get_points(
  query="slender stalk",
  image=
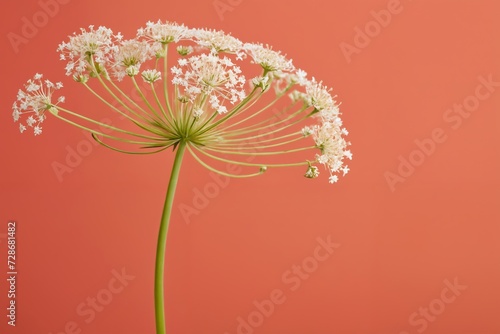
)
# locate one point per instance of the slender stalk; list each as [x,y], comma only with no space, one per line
[165,81]
[260,153]
[159,104]
[90,120]
[145,100]
[162,241]
[206,127]
[261,110]
[113,107]
[215,170]
[270,124]
[242,163]
[252,147]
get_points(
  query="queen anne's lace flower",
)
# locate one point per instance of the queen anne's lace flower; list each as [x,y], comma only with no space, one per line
[203,100]
[34,101]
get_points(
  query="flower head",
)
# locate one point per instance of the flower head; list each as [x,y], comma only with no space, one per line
[269,59]
[88,51]
[318,96]
[151,76]
[198,97]
[333,147]
[217,41]
[312,172]
[164,32]
[33,102]
[129,56]
[184,50]
[208,75]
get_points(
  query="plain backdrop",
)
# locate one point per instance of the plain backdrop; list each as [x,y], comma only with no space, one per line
[417,213]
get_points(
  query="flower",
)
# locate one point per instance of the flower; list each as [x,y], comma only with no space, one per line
[129,56]
[34,101]
[203,100]
[269,59]
[318,96]
[89,51]
[312,172]
[217,41]
[333,179]
[208,75]
[164,33]
[262,82]
[159,33]
[301,77]
[151,75]
[308,130]
[184,50]
[332,145]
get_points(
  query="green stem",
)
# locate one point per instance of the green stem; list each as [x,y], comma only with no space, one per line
[162,240]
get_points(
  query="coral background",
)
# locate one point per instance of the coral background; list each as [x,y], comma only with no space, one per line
[401,243]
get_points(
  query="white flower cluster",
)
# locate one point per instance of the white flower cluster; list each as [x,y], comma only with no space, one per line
[328,138]
[217,78]
[33,102]
[206,77]
[270,60]
[328,135]
[164,33]
[217,41]
[318,96]
[88,51]
[129,57]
